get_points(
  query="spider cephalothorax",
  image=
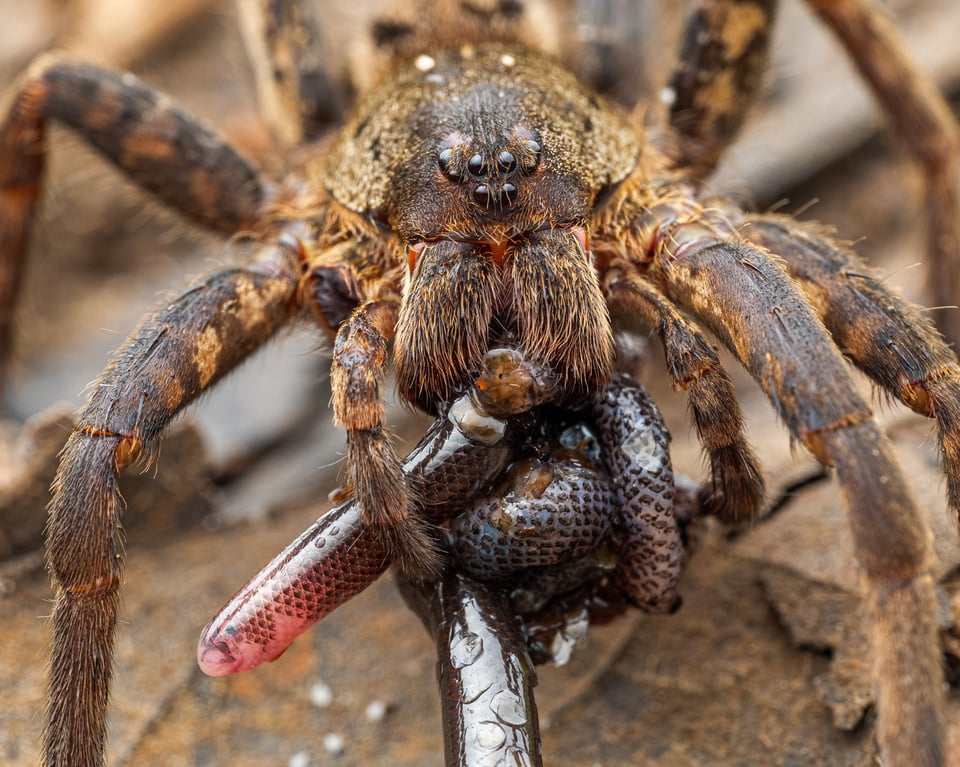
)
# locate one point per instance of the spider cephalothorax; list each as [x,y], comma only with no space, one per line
[480,197]
[488,182]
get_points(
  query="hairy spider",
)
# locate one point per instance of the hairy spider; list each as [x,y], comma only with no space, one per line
[480,196]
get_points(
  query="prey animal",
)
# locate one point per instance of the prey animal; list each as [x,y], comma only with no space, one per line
[554,520]
[478,195]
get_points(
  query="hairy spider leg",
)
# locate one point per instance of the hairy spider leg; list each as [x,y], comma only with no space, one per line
[357,379]
[298,97]
[750,302]
[722,58]
[888,338]
[142,132]
[723,55]
[736,490]
[919,114]
[174,356]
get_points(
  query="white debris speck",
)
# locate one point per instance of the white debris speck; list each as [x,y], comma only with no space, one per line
[563,642]
[668,96]
[333,743]
[507,60]
[376,710]
[321,695]
[299,759]
[424,63]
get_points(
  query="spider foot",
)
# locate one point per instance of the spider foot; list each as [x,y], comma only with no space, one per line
[737,490]
[388,506]
[413,548]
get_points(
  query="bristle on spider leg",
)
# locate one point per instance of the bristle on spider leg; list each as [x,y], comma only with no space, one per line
[736,491]
[388,505]
[745,296]
[887,337]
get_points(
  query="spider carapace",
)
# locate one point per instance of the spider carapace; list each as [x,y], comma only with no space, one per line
[486,162]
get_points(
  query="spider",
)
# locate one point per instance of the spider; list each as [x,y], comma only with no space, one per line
[477,196]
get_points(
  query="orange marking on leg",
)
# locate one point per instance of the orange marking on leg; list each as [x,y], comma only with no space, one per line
[31,97]
[916,394]
[129,446]
[173,394]
[206,359]
[145,147]
[814,440]
[204,189]
[151,141]
[19,194]
[127,452]
[740,29]
[253,301]
[105,584]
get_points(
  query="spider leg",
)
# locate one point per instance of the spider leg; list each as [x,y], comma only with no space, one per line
[737,487]
[886,337]
[750,302]
[484,672]
[612,57]
[357,376]
[142,132]
[723,54]
[172,358]
[296,94]
[921,117]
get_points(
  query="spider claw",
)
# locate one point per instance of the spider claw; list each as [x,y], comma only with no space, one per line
[413,549]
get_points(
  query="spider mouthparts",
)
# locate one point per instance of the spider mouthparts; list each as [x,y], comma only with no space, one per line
[496,249]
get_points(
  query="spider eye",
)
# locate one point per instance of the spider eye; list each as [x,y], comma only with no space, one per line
[476,166]
[508,193]
[482,194]
[506,162]
[447,160]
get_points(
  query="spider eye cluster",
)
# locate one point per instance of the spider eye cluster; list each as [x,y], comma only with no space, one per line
[494,174]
